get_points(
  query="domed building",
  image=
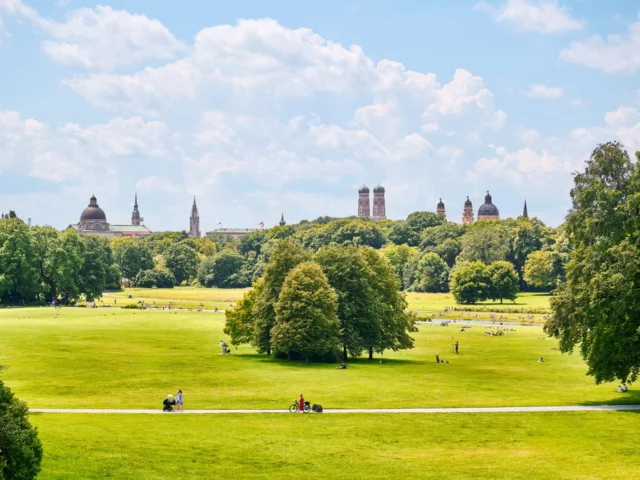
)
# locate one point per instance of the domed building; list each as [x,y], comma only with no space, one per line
[488,211]
[93,221]
[467,213]
[441,211]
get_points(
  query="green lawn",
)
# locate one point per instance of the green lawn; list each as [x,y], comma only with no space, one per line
[577,445]
[132,359]
[426,304]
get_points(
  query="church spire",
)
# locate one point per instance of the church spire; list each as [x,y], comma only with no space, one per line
[525,213]
[194,220]
[135,216]
[282,222]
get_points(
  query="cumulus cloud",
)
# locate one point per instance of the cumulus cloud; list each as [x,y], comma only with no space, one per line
[617,53]
[544,92]
[540,16]
[520,165]
[102,38]
[32,148]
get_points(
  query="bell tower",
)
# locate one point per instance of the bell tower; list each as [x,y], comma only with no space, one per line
[194,221]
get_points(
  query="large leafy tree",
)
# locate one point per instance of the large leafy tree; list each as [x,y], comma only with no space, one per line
[504,281]
[182,261]
[18,266]
[399,257]
[544,269]
[419,221]
[93,274]
[283,257]
[470,282]
[431,275]
[402,234]
[132,256]
[240,319]
[227,266]
[59,260]
[487,242]
[350,276]
[306,319]
[390,307]
[598,308]
[20,447]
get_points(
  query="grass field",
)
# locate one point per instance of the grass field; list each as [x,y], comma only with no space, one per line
[123,358]
[130,358]
[577,445]
[426,304]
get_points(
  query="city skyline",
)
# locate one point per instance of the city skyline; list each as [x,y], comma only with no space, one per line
[263,108]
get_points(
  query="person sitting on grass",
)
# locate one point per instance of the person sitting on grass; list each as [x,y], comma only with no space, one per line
[541,360]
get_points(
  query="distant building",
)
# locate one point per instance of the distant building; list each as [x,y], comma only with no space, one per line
[232,232]
[488,211]
[525,213]
[440,210]
[467,213]
[194,221]
[93,221]
[282,223]
[364,207]
[379,208]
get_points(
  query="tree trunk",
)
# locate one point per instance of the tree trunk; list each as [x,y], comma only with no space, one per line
[269,351]
[306,359]
[288,355]
[370,353]
[501,301]
[344,354]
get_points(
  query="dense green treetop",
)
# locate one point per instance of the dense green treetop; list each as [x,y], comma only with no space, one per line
[598,308]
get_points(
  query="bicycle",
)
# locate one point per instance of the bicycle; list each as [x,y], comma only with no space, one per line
[295,408]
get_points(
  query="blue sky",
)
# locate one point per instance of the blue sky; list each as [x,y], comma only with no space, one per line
[259,107]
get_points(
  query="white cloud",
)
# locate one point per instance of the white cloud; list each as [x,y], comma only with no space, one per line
[520,165]
[102,38]
[541,16]
[154,184]
[618,54]
[544,92]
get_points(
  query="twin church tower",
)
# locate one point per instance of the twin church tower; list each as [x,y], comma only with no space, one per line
[364,206]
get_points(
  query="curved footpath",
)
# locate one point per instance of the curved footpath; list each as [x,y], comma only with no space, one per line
[567,408]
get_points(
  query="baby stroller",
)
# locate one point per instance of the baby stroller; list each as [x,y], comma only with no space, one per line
[168,403]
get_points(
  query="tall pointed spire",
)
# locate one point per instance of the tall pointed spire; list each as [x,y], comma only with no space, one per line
[135,216]
[282,222]
[525,213]
[194,220]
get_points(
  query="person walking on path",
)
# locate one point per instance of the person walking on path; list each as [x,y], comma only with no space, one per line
[224,347]
[179,402]
[457,348]
[301,404]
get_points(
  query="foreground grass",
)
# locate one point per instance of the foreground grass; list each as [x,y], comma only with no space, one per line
[106,358]
[577,445]
[426,304]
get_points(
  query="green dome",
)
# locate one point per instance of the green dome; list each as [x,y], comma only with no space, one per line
[378,189]
[363,189]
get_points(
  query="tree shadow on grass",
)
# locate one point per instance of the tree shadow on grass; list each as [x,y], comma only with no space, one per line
[377,361]
[632,397]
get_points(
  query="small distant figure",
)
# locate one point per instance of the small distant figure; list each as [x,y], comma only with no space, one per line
[115,301]
[437,358]
[179,402]
[622,388]
[224,347]
[541,360]
[457,345]
[301,404]
[342,366]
